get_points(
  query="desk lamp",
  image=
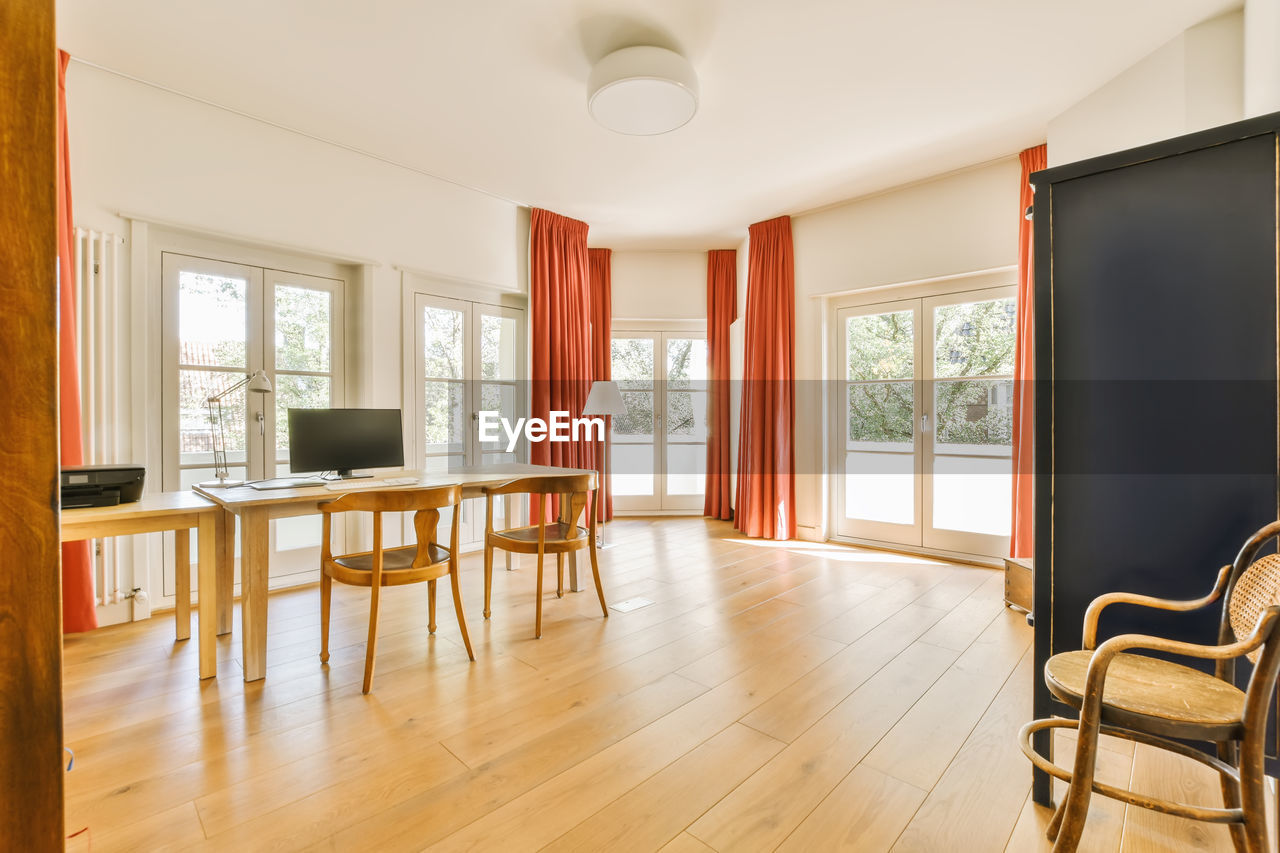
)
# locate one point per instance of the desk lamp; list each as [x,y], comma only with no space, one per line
[257,383]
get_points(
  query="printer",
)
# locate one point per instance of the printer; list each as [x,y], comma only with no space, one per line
[101,485]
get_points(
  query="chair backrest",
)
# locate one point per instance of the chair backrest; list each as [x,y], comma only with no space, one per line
[1252,587]
[425,504]
[554,484]
[575,486]
[1251,597]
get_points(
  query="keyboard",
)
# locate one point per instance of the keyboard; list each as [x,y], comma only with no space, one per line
[286,483]
[347,485]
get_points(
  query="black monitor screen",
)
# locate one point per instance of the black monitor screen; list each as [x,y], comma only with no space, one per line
[344,439]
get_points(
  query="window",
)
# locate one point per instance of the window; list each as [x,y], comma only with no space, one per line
[924,421]
[464,358]
[222,320]
[658,461]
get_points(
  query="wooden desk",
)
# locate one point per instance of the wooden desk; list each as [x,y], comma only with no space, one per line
[179,512]
[257,508]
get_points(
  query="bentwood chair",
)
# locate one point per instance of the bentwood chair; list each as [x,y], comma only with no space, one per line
[1161,703]
[423,561]
[558,537]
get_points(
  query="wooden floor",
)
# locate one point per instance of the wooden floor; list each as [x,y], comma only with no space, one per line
[798,698]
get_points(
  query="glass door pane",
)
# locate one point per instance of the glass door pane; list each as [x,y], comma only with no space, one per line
[685,424]
[970,450]
[444,438]
[499,358]
[878,496]
[634,462]
[303,333]
[212,356]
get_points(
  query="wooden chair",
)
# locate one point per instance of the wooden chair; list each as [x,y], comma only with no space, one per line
[1152,701]
[424,561]
[559,537]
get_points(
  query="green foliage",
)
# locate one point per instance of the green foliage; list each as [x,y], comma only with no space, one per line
[974,339]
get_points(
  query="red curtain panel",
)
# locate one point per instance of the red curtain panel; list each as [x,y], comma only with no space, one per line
[1021,536]
[722,310]
[559,288]
[78,612]
[766,498]
[600,261]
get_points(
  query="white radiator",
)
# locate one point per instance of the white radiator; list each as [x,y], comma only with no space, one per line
[98,318]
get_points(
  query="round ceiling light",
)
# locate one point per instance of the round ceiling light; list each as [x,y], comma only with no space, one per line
[642,91]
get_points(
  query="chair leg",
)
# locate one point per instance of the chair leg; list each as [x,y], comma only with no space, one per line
[1055,824]
[559,575]
[537,623]
[595,571]
[372,644]
[1228,752]
[488,575]
[1254,802]
[457,608]
[326,591]
[1079,791]
[431,607]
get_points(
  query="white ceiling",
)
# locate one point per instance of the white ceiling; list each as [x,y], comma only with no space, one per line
[804,103]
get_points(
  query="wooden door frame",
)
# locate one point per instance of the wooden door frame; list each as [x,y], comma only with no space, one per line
[31,772]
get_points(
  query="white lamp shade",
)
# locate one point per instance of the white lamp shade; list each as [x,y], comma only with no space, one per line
[259,383]
[643,91]
[604,399]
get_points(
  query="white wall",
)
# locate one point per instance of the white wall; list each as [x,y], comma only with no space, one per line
[167,159]
[1193,82]
[1261,59]
[659,285]
[958,223]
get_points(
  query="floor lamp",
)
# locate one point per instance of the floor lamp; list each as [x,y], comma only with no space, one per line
[604,399]
[257,383]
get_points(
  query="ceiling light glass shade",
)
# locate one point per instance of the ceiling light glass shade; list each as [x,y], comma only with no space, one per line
[642,91]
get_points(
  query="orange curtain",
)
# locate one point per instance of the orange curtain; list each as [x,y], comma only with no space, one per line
[559,288]
[78,612]
[766,453]
[1021,537]
[722,310]
[599,261]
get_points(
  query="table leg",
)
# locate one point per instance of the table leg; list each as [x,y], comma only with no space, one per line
[225,543]
[182,583]
[207,602]
[253,591]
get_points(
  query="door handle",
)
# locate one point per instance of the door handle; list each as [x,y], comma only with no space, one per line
[262,424]
[924,423]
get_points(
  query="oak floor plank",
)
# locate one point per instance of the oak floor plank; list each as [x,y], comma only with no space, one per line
[764,809]
[817,674]
[864,813]
[654,812]
[1182,780]
[921,744]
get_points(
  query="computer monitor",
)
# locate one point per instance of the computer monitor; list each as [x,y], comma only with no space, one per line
[342,440]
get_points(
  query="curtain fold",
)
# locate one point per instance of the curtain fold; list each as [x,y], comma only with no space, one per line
[78,613]
[1021,535]
[600,263]
[766,498]
[559,290]
[722,310]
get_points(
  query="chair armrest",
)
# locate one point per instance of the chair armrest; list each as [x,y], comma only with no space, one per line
[1098,604]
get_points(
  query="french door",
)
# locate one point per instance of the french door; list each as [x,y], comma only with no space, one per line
[659,447]
[468,358]
[924,421]
[221,321]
